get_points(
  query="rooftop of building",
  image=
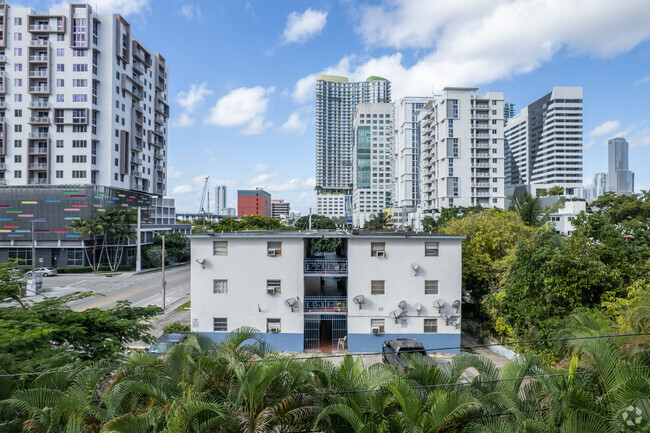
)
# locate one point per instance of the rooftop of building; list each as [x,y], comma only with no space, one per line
[325,234]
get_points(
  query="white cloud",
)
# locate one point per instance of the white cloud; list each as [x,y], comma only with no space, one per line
[269,182]
[183,120]
[122,7]
[642,80]
[303,26]
[194,97]
[173,173]
[640,139]
[606,128]
[191,11]
[244,106]
[257,168]
[470,43]
[183,189]
[589,145]
[295,124]
[305,89]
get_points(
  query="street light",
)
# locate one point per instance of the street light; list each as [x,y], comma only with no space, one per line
[162,235]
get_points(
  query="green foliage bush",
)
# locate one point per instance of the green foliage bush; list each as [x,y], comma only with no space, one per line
[176,328]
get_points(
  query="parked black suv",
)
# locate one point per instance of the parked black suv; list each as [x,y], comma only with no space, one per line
[400,351]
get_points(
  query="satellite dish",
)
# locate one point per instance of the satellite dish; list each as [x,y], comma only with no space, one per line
[290,302]
[418,307]
[402,305]
[456,304]
[415,268]
[438,303]
[395,314]
[447,316]
[359,299]
[200,261]
[456,322]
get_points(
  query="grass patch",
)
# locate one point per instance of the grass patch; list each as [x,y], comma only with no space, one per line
[185,306]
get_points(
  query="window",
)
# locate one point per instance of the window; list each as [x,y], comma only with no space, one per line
[220,248]
[431,249]
[430,326]
[18,158]
[79,143]
[273,248]
[377,287]
[220,287]
[59,158]
[377,249]
[79,159]
[78,174]
[18,21]
[60,82]
[18,174]
[59,98]
[431,287]
[275,285]
[220,324]
[59,174]
[79,98]
[75,257]
[60,67]
[18,143]
[273,326]
[377,324]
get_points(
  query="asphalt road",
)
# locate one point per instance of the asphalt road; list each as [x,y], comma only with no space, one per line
[141,290]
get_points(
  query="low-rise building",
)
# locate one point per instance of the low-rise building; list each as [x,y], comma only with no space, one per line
[563,218]
[329,290]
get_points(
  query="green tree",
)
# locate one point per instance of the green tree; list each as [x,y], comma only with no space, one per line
[177,246]
[488,251]
[529,209]
[435,225]
[318,222]
[622,208]
[12,281]
[380,222]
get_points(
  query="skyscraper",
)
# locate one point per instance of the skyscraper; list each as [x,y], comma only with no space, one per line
[372,151]
[544,143]
[405,161]
[462,149]
[336,102]
[620,179]
[220,199]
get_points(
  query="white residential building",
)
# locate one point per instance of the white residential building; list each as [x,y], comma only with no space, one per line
[544,143]
[375,286]
[371,155]
[336,102]
[82,101]
[620,179]
[562,220]
[405,162]
[462,150]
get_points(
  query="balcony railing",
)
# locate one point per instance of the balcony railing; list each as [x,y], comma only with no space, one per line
[136,146]
[326,304]
[37,166]
[136,160]
[37,181]
[39,135]
[39,74]
[38,150]
[39,43]
[39,58]
[39,120]
[158,155]
[39,104]
[316,266]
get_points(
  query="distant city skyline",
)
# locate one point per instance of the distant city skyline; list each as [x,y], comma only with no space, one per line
[249,121]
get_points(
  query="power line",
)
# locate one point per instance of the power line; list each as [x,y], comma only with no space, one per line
[338,355]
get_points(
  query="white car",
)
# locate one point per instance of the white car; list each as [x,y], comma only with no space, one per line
[47,272]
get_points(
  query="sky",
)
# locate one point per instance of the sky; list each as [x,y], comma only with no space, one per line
[242,74]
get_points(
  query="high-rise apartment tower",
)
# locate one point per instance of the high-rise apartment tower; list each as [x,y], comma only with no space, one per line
[336,103]
[544,143]
[220,199]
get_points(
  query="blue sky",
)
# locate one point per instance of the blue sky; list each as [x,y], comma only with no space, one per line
[242,73]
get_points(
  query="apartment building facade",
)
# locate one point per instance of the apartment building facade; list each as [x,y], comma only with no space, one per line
[83,126]
[280,209]
[405,161]
[221,199]
[371,161]
[462,161]
[544,143]
[336,102]
[371,287]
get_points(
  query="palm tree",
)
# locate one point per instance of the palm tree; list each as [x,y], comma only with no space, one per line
[529,209]
[91,226]
[381,221]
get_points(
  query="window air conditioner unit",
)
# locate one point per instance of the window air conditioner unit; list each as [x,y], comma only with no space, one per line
[274,329]
[381,253]
[270,253]
[376,330]
[270,290]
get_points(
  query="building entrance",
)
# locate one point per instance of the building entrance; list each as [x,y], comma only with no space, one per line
[325,332]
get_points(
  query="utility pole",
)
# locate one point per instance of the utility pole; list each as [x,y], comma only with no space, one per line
[138,253]
[33,253]
[310,219]
[164,283]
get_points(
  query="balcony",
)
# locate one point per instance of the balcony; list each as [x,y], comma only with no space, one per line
[41,58]
[136,160]
[34,135]
[136,173]
[159,119]
[481,145]
[37,181]
[39,104]
[326,304]
[39,43]
[481,165]
[138,121]
[3,58]
[158,130]
[322,266]
[137,67]
[38,166]
[136,146]
[138,106]
[138,133]
[37,74]
[480,135]
[158,155]
[38,150]
[159,167]
[481,106]
[39,28]
[40,120]
[39,89]
[3,166]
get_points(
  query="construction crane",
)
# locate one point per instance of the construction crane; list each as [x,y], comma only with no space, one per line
[201,211]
